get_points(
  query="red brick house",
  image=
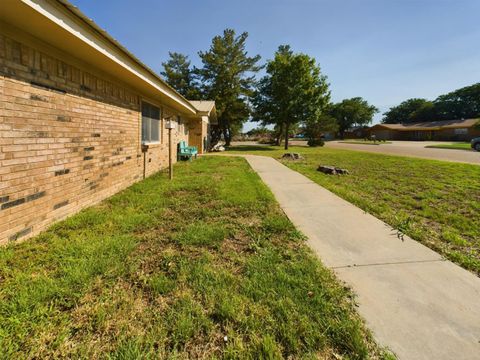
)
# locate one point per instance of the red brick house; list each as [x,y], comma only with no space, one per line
[75,109]
[448,130]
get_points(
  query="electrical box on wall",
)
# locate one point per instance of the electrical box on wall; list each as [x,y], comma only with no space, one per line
[170,125]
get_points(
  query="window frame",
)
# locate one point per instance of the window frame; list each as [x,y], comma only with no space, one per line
[148,114]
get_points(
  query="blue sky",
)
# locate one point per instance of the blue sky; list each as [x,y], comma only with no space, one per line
[382,50]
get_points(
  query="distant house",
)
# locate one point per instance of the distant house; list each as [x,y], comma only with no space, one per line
[356,132]
[448,130]
[81,117]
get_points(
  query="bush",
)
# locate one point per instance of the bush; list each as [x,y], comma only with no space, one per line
[315,142]
[266,141]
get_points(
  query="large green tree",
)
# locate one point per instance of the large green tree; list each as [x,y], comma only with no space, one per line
[411,110]
[293,91]
[179,74]
[461,103]
[458,104]
[315,128]
[352,112]
[228,77]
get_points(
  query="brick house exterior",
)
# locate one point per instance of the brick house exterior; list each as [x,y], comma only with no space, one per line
[74,118]
[448,130]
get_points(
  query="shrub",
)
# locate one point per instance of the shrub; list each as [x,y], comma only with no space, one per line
[267,141]
[315,142]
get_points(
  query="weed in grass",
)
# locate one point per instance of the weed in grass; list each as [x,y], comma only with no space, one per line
[267,349]
[277,224]
[227,306]
[201,234]
[161,284]
[131,349]
[187,319]
[453,237]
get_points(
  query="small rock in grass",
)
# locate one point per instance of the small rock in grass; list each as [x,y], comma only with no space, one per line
[332,170]
[341,171]
[292,156]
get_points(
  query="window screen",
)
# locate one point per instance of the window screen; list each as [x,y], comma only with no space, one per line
[150,123]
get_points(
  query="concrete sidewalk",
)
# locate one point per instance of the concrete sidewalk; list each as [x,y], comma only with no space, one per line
[415,302]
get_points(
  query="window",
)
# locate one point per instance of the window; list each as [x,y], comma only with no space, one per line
[460,131]
[150,123]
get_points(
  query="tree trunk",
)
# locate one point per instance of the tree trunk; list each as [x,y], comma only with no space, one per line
[287,128]
[227,136]
[226,130]
[216,135]
[278,137]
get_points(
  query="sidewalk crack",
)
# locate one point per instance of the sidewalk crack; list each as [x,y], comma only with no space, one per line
[388,263]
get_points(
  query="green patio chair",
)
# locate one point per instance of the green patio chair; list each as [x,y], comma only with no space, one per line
[186,152]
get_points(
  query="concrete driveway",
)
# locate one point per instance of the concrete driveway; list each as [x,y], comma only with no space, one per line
[413,149]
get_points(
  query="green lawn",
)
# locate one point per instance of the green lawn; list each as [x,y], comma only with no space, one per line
[204,266]
[434,202]
[454,146]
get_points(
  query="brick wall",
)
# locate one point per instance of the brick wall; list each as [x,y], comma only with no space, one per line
[69,139]
[456,135]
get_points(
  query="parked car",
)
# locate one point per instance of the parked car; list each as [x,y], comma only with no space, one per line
[475,143]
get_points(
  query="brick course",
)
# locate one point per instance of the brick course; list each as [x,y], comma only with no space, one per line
[69,139]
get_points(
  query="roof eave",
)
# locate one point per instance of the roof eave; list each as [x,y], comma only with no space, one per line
[67,18]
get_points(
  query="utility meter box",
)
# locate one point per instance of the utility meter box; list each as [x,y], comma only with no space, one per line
[170,125]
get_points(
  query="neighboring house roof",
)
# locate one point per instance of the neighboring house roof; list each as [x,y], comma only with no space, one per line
[61,24]
[430,125]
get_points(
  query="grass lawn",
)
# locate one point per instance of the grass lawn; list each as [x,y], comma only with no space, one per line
[434,202]
[454,146]
[204,266]
[364,142]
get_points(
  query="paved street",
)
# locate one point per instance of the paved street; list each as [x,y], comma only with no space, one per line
[413,149]
[401,148]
